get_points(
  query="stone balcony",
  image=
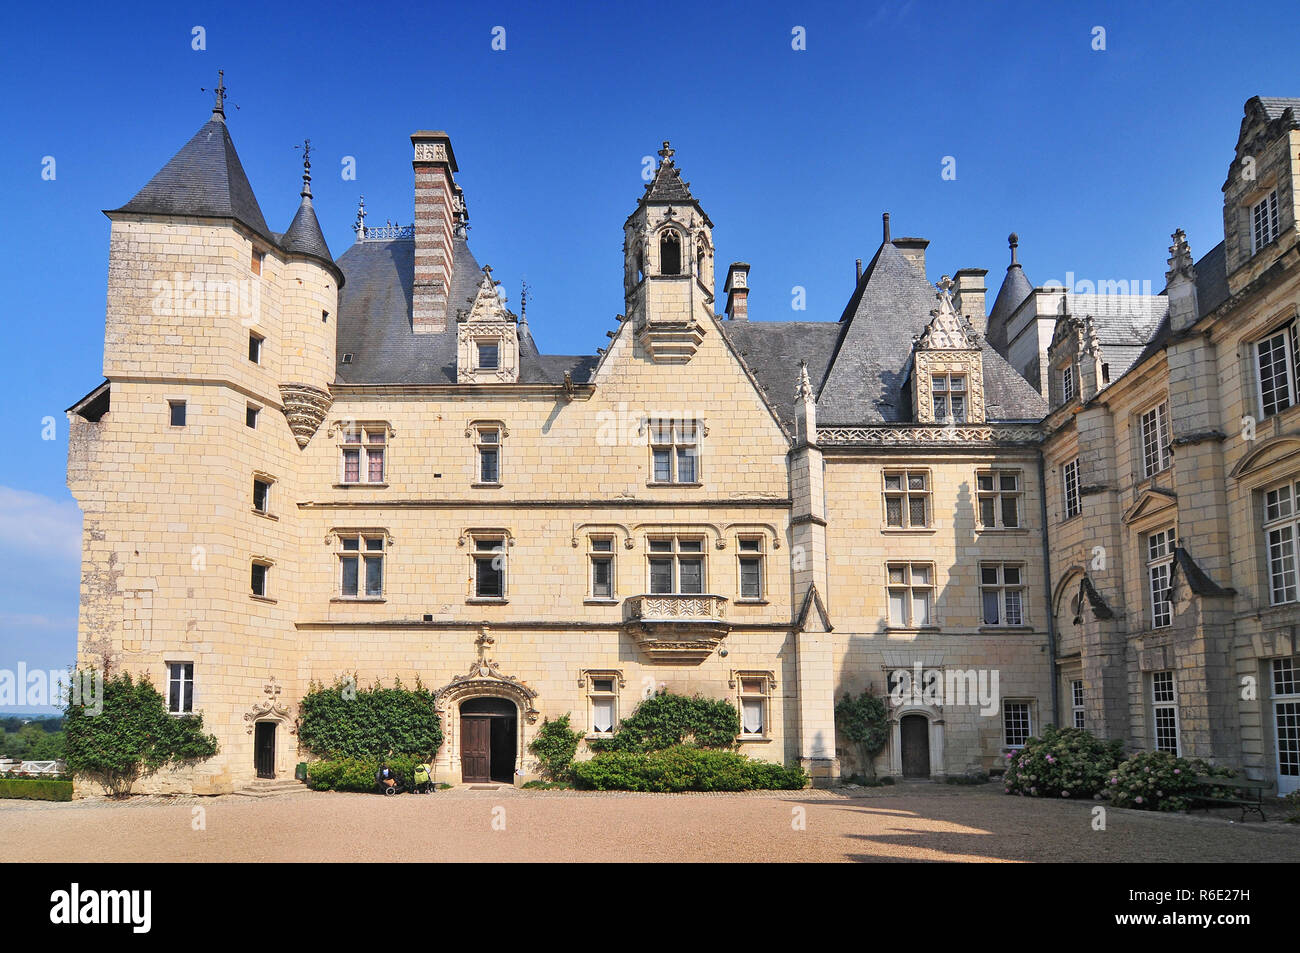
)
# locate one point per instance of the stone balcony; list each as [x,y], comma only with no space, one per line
[676,627]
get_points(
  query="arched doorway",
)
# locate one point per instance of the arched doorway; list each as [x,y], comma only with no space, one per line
[914,734]
[488,736]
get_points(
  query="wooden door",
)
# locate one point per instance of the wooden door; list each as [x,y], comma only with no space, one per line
[915,734]
[264,749]
[475,748]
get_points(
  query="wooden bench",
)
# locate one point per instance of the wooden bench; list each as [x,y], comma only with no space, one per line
[1232,792]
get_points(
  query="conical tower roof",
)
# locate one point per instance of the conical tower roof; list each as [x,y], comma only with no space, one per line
[304,234]
[1015,289]
[667,186]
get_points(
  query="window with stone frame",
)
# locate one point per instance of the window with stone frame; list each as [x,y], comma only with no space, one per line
[1277,363]
[1076,703]
[750,567]
[487,355]
[670,253]
[910,594]
[907,498]
[600,557]
[949,394]
[1070,487]
[489,563]
[177,412]
[363,453]
[1065,376]
[262,494]
[1164,712]
[602,703]
[1154,426]
[255,347]
[1281,538]
[998,496]
[361,564]
[1017,724]
[753,695]
[1263,222]
[675,565]
[487,447]
[674,450]
[260,579]
[180,687]
[1160,563]
[1002,593]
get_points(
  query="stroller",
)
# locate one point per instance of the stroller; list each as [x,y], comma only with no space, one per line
[423,779]
[388,781]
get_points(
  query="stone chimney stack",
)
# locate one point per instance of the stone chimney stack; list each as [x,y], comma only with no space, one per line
[1180,284]
[737,290]
[913,250]
[968,300]
[435,223]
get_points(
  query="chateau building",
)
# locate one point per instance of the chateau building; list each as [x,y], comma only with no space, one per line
[301,469]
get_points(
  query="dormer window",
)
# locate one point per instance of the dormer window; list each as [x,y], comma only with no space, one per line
[1263,222]
[949,392]
[670,253]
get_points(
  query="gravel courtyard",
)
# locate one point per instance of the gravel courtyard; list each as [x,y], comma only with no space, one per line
[917,822]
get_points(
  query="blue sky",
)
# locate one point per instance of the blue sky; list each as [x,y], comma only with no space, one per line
[1094,157]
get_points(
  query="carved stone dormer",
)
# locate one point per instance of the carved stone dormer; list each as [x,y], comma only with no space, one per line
[947,366]
[1260,197]
[487,338]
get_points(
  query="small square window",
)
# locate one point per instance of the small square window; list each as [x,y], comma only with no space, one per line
[250,416]
[324,317]
[177,412]
[261,495]
[261,579]
[255,348]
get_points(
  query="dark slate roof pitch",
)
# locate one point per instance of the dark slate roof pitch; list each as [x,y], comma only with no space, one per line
[304,236]
[204,180]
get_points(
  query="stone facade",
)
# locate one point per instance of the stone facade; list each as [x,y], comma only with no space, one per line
[752,554]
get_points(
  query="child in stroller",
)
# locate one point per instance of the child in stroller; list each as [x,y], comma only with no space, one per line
[387,781]
[423,779]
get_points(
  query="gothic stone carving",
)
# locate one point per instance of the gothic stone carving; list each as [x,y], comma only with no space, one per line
[304,408]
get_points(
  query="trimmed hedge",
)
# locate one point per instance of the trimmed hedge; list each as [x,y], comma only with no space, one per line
[349,722]
[664,720]
[358,774]
[683,768]
[35,789]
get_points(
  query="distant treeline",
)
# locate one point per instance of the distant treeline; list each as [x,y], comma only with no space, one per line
[31,737]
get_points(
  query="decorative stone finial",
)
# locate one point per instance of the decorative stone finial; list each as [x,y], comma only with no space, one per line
[803,390]
[1180,257]
[945,286]
[219,106]
[666,153]
[1014,241]
[306,169]
[360,225]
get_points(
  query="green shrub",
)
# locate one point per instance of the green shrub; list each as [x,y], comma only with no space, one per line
[1064,762]
[555,745]
[1158,781]
[349,722]
[35,789]
[664,720]
[132,737]
[683,768]
[358,774]
[547,785]
[1293,805]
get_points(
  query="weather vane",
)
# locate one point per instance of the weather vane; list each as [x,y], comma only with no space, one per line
[219,107]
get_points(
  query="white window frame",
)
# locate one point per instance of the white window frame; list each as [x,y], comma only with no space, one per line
[1164,704]
[487,439]
[365,440]
[1159,560]
[906,494]
[595,554]
[596,694]
[363,550]
[943,391]
[173,706]
[755,689]
[1264,222]
[906,586]
[1070,486]
[1284,682]
[1011,720]
[679,438]
[751,548]
[1066,376]
[676,554]
[1153,426]
[997,495]
[1281,529]
[999,585]
[1282,345]
[1076,703]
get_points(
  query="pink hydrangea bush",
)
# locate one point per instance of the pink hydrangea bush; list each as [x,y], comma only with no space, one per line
[1063,763]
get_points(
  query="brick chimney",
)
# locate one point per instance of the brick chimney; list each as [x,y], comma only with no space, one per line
[737,290]
[968,299]
[435,222]
[913,250]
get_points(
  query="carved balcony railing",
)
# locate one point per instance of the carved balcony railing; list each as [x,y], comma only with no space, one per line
[923,435]
[677,627]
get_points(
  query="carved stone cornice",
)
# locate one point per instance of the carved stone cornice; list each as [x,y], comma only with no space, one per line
[926,436]
[304,408]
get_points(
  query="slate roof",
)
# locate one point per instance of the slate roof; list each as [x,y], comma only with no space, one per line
[1211,291]
[374,324]
[1016,287]
[204,179]
[304,234]
[1275,106]
[772,351]
[864,383]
